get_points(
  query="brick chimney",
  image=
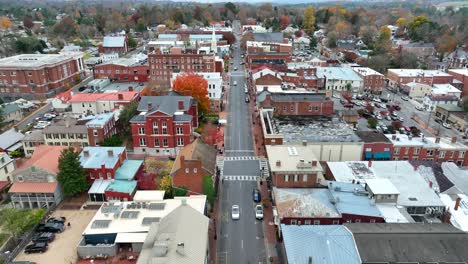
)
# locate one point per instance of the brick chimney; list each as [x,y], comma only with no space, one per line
[393,137]
[437,140]
[86,153]
[130,88]
[457,203]
[278,163]
[120,96]
[181,105]
[314,163]
[369,164]
[150,107]
[454,140]
[110,153]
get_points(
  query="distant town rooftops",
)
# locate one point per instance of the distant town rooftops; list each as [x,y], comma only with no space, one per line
[338,73]
[427,142]
[417,73]
[30,61]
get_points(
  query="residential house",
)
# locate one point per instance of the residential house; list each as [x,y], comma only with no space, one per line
[441,94]
[458,59]
[188,231]
[118,225]
[461,76]
[419,49]
[7,166]
[60,102]
[98,103]
[66,132]
[294,166]
[416,90]
[10,140]
[376,146]
[35,181]
[164,124]
[340,79]
[11,112]
[101,127]
[102,162]
[31,141]
[194,162]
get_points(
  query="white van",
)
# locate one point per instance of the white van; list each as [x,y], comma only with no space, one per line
[235,83]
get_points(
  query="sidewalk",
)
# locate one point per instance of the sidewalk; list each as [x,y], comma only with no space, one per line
[269,229]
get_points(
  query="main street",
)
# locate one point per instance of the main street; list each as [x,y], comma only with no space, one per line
[239,241]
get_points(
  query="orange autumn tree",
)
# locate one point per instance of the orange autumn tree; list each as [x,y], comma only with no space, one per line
[192,84]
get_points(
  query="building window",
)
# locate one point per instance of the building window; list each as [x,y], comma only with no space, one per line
[295,177]
[179,131]
[155,128]
[293,222]
[285,108]
[109,175]
[292,108]
[316,222]
[406,151]
[165,142]
[95,133]
[164,128]
[180,142]
[442,154]
[310,108]
[416,151]
[307,222]
[187,170]
[142,141]
[368,149]
[357,221]
[430,152]
[141,130]
[396,151]
[20,178]
[286,178]
[336,222]
[386,149]
[100,175]
[195,170]
[304,178]
[461,154]
[349,221]
[156,142]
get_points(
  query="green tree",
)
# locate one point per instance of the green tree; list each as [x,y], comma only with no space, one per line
[29,45]
[180,191]
[313,42]
[372,122]
[127,113]
[113,141]
[132,43]
[465,104]
[309,20]
[71,176]
[208,189]
[165,184]
[348,87]
[17,222]
[141,25]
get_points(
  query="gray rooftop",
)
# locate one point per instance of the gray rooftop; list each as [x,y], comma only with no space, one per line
[113,41]
[330,244]
[167,104]
[435,243]
[314,130]
[269,37]
[100,156]
[67,125]
[292,97]
[9,108]
[10,138]
[29,61]
[35,135]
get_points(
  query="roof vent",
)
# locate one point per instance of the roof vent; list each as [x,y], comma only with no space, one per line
[181,248]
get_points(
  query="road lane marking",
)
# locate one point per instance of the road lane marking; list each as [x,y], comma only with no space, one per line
[242,243]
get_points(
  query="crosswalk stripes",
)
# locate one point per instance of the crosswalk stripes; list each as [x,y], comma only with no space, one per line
[240,178]
[240,158]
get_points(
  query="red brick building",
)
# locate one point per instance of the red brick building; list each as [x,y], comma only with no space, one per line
[373,81]
[275,60]
[164,125]
[297,104]
[461,75]
[432,149]
[398,77]
[101,127]
[123,70]
[193,162]
[39,76]
[114,44]
[163,63]
[376,146]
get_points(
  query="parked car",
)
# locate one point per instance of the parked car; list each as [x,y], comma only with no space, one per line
[419,108]
[259,212]
[405,98]
[337,96]
[50,227]
[394,113]
[401,119]
[36,247]
[379,117]
[60,220]
[247,99]
[446,125]
[235,212]
[388,118]
[257,197]
[43,237]
[82,88]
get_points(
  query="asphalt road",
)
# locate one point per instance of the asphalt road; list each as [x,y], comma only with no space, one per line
[239,241]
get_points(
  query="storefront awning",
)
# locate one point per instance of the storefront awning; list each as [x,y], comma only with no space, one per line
[381,155]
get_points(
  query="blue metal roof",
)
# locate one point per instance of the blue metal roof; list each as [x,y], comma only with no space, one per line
[352,199]
[330,244]
[122,186]
[114,41]
[99,156]
[128,169]
[100,120]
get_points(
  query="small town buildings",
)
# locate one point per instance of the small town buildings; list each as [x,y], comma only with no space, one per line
[419,49]
[429,148]
[294,166]
[123,70]
[373,81]
[215,88]
[164,124]
[331,244]
[102,162]
[458,59]
[296,103]
[194,162]
[98,103]
[452,114]
[35,181]
[432,101]
[67,132]
[376,146]
[188,230]
[31,141]
[416,90]
[340,79]
[35,76]
[127,224]
[114,44]
[11,112]
[398,77]
[10,140]
[101,127]
[7,166]
[461,76]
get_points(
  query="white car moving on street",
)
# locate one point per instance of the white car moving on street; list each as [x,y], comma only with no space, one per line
[235,212]
[259,212]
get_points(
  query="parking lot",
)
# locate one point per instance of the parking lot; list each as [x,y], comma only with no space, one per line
[63,248]
[407,112]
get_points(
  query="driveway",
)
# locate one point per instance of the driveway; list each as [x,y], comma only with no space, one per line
[63,248]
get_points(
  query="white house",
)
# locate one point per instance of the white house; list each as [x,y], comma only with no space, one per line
[7,165]
[441,94]
[338,78]
[98,103]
